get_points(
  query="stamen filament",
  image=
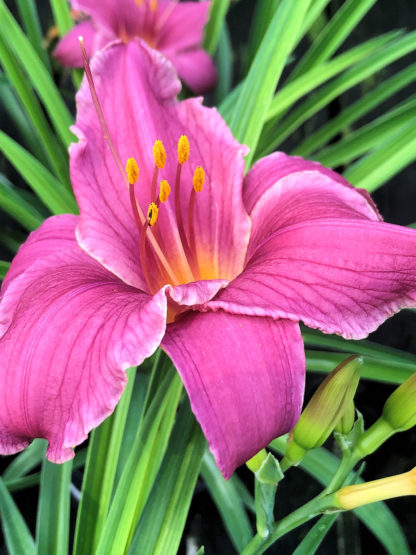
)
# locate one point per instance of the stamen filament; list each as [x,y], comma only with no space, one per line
[179,220]
[141,223]
[191,211]
[154,184]
[143,256]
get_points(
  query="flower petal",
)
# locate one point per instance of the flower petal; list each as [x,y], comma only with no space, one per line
[70,329]
[196,69]
[244,377]
[283,190]
[68,50]
[105,13]
[341,276]
[56,233]
[181,25]
[141,109]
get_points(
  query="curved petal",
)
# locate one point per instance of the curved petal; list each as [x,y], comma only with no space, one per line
[195,68]
[125,19]
[181,25]
[105,13]
[70,331]
[56,233]
[282,190]
[195,293]
[244,377]
[341,276]
[141,109]
[68,51]
[268,171]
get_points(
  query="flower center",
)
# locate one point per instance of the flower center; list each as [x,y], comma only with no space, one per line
[161,267]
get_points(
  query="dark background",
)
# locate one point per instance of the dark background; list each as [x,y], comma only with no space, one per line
[397,203]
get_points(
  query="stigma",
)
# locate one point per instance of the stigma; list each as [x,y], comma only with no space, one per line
[178,263]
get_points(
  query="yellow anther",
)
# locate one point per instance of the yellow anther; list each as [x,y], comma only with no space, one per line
[139,2]
[152,213]
[183,149]
[198,179]
[164,190]
[153,5]
[132,170]
[159,154]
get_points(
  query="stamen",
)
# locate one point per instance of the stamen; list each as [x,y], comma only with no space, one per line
[198,179]
[159,154]
[198,183]
[183,155]
[132,170]
[164,190]
[183,149]
[153,5]
[152,213]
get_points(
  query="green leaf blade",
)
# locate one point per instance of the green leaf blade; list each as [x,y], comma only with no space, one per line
[52,193]
[18,538]
[39,76]
[52,527]
[228,502]
[257,90]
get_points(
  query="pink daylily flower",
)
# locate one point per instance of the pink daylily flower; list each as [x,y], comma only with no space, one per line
[220,281]
[175,29]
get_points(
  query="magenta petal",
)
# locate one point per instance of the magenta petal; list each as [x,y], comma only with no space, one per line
[196,69]
[68,50]
[282,190]
[195,293]
[244,377]
[341,276]
[273,168]
[54,234]
[181,25]
[70,329]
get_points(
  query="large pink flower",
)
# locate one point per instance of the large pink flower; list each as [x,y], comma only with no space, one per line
[220,281]
[175,29]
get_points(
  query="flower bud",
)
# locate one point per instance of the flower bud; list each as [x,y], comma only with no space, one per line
[326,407]
[351,497]
[346,421]
[399,414]
[400,408]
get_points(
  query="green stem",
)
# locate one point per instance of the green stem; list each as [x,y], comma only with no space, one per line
[319,504]
[308,511]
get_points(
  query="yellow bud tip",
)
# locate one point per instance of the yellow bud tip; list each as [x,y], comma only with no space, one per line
[183,149]
[152,213]
[132,170]
[164,191]
[159,154]
[198,179]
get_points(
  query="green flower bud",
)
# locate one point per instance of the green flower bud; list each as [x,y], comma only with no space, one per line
[400,408]
[399,414]
[323,412]
[346,421]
